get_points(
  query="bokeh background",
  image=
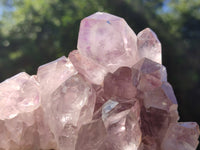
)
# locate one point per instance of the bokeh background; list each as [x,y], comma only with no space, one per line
[34,32]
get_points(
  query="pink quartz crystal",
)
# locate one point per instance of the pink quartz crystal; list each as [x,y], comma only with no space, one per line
[110,94]
[108,40]
[94,72]
[59,70]
[149,46]
[181,136]
[71,105]
[18,94]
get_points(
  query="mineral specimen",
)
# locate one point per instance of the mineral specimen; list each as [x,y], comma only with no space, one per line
[110,94]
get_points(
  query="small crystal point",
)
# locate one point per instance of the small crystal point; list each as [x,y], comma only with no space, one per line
[18,94]
[120,84]
[181,136]
[52,74]
[94,72]
[152,74]
[122,124]
[147,66]
[158,98]
[91,136]
[149,46]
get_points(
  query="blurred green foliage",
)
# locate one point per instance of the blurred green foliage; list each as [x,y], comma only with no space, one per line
[34,32]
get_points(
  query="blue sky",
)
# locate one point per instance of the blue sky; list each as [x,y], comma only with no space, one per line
[1,10]
[165,6]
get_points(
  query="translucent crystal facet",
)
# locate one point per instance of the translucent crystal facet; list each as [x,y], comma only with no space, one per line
[110,94]
[18,94]
[60,69]
[181,136]
[72,105]
[149,46]
[120,84]
[90,69]
[95,36]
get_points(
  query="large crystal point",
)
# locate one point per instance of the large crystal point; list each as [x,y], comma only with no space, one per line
[108,40]
[149,46]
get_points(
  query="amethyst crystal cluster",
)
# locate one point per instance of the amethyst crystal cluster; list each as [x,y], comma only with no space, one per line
[110,94]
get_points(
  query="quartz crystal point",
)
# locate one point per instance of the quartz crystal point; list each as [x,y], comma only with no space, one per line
[19,97]
[149,46]
[53,74]
[18,94]
[108,40]
[91,136]
[90,69]
[122,124]
[120,84]
[181,136]
[72,105]
[110,94]
[152,74]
